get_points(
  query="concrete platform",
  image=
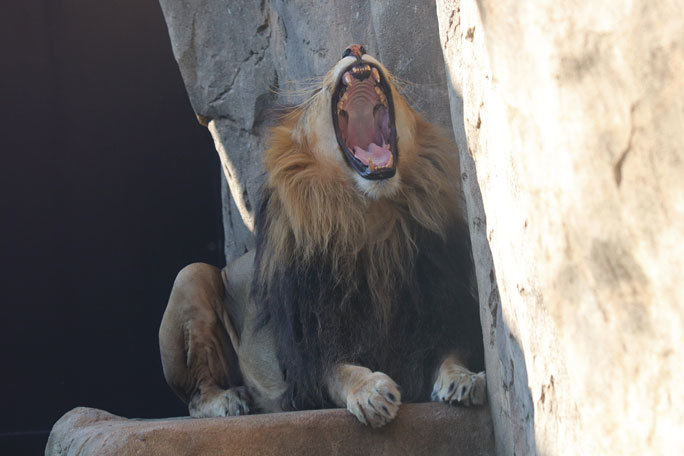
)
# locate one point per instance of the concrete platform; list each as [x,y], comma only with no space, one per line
[419,429]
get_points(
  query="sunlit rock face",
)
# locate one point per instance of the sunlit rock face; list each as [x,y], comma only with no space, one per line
[239,60]
[573,162]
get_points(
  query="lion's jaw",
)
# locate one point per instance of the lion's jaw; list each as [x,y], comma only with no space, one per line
[318,126]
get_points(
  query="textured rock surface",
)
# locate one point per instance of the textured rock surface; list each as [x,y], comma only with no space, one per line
[570,119]
[574,115]
[241,58]
[419,429]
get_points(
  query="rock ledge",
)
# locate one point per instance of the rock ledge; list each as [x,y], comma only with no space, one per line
[419,429]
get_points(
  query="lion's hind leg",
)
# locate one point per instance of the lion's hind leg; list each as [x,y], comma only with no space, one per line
[455,384]
[216,401]
[198,357]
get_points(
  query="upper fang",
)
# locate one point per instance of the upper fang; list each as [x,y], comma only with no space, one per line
[375,74]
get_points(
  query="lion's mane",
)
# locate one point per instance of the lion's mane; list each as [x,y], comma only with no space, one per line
[386,283]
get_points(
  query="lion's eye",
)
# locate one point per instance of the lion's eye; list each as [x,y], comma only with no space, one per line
[347,52]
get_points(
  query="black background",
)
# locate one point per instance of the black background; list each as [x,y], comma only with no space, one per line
[109,186]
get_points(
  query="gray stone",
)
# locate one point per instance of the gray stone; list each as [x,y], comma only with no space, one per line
[570,118]
[419,429]
[240,59]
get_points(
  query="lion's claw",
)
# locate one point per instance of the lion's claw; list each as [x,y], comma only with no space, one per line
[230,402]
[376,401]
[460,386]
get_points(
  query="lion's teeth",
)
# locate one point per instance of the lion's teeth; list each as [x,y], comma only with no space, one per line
[381,96]
[347,79]
[371,165]
[340,103]
[375,74]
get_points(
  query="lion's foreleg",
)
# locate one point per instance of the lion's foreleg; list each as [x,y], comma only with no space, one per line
[455,384]
[198,358]
[372,397]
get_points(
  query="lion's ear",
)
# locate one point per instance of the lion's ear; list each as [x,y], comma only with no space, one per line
[203,120]
[274,114]
[270,115]
[267,114]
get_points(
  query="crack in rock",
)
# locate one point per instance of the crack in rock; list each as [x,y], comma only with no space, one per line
[260,55]
[617,168]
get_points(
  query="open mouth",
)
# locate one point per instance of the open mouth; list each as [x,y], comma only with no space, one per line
[363,117]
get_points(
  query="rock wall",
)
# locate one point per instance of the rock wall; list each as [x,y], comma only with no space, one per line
[570,122]
[572,145]
[242,59]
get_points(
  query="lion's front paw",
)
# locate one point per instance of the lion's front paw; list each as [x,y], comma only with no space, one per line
[375,401]
[220,402]
[457,385]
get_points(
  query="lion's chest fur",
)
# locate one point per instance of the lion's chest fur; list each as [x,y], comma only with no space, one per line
[369,300]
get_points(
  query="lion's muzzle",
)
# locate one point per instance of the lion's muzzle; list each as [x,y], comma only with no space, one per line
[363,117]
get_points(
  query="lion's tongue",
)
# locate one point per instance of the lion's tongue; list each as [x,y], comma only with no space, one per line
[380,155]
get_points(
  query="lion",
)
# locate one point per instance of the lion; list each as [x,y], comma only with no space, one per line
[360,293]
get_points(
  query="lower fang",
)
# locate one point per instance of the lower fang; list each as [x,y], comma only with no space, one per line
[371,166]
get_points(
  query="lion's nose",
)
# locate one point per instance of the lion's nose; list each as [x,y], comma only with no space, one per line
[355,50]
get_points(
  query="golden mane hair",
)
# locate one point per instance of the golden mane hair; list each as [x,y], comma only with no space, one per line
[317,207]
